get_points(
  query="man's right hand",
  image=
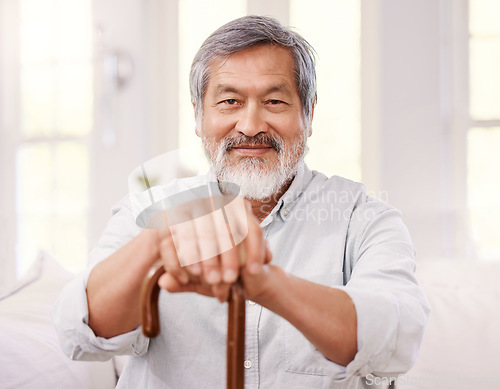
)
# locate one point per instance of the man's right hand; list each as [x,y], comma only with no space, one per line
[209,238]
[114,285]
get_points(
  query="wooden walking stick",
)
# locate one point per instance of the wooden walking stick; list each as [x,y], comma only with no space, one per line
[235,323]
[236,338]
[149,301]
[236,303]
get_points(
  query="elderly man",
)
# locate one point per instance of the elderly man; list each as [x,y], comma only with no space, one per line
[328,270]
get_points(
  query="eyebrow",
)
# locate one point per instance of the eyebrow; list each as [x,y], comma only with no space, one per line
[226,89]
[231,89]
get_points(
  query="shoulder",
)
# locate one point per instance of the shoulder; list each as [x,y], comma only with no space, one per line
[347,198]
[322,183]
[340,190]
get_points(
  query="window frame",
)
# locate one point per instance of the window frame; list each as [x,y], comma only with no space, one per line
[9,137]
[466,122]
[457,122]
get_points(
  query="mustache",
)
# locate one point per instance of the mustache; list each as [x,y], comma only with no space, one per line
[260,139]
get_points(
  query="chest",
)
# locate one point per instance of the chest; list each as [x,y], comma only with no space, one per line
[309,248]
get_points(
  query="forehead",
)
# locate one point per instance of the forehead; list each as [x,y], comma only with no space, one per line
[255,67]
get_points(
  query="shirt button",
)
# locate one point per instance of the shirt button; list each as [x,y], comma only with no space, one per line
[247,364]
[251,302]
[285,212]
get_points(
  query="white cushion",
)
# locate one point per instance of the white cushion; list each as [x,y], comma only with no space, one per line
[30,355]
[461,345]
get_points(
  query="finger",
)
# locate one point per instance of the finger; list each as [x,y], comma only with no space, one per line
[255,249]
[170,283]
[171,261]
[230,265]
[211,270]
[208,248]
[196,211]
[269,254]
[235,214]
[194,269]
[169,254]
[229,258]
[185,242]
[221,291]
[206,237]
[207,242]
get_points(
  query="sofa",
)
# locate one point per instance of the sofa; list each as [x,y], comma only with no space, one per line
[461,345]
[30,356]
[459,349]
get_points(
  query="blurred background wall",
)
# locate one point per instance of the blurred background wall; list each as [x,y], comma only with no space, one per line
[409,104]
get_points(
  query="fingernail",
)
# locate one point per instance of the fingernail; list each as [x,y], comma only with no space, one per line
[163,281]
[184,279]
[255,268]
[196,269]
[229,275]
[213,277]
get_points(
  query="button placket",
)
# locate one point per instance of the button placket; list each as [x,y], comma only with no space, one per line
[251,363]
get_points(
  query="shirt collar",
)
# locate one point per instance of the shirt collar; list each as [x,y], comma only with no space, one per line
[298,185]
[288,200]
[290,197]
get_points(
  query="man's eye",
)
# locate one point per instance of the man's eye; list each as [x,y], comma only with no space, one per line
[230,101]
[275,102]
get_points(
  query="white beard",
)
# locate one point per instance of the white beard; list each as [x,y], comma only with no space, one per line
[254,179]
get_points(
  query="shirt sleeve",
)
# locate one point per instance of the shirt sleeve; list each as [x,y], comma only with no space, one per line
[70,314]
[392,311]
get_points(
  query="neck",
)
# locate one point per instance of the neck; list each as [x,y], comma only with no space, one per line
[262,208]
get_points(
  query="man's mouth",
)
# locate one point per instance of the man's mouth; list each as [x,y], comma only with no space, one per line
[255,146]
[252,149]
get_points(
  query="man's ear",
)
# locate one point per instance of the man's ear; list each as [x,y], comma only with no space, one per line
[312,116]
[196,129]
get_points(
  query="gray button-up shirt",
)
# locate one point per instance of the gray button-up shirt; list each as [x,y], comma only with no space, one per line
[326,230]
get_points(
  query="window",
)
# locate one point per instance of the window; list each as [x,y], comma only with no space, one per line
[483,138]
[335,144]
[334,147]
[55,117]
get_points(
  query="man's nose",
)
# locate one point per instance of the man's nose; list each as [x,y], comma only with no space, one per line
[251,121]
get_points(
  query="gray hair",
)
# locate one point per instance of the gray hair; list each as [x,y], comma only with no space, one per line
[246,32]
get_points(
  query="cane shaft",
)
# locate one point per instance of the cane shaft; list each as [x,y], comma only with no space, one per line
[149,301]
[235,324]
[236,338]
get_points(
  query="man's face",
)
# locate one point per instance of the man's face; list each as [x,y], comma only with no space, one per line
[253,128]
